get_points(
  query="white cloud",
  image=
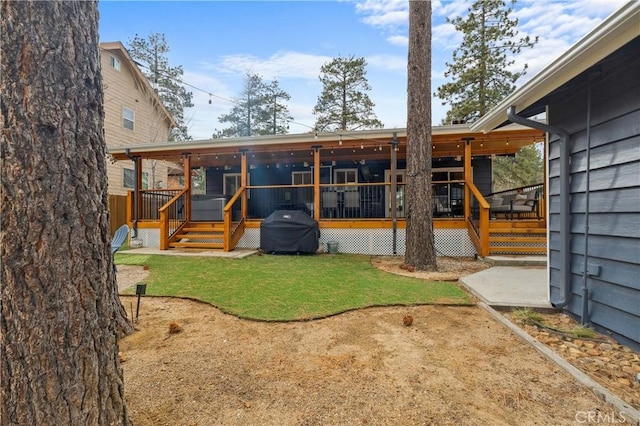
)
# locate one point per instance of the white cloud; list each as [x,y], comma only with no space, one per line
[384,13]
[398,40]
[278,65]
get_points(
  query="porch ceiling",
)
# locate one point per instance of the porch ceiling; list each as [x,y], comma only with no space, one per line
[448,141]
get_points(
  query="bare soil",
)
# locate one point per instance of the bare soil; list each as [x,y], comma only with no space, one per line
[190,364]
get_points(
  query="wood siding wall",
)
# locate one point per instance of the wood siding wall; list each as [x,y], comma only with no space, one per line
[612,240]
[122,90]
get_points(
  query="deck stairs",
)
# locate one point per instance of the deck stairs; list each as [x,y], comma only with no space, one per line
[517,237]
[200,235]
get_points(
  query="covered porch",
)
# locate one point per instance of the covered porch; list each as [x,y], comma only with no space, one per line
[351,183]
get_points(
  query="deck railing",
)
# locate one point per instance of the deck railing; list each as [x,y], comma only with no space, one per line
[233,219]
[173,216]
[478,220]
[152,200]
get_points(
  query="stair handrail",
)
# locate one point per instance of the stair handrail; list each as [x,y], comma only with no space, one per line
[166,231]
[479,231]
[232,235]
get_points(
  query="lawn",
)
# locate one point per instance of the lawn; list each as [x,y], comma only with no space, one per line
[280,288]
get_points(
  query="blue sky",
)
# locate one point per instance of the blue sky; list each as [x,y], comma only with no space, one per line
[217,42]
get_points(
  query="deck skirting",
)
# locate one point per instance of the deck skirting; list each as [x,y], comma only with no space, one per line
[378,241]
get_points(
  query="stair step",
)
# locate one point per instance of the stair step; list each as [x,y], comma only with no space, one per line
[516,249]
[512,239]
[219,236]
[536,231]
[196,245]
[203,229]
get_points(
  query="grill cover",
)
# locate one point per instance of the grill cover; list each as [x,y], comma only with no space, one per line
[289,231]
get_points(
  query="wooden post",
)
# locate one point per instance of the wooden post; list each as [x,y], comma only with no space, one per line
[316,182]
[187,183]
[243,183]
[467,176]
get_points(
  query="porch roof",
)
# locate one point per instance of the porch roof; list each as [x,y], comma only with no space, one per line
[448,141]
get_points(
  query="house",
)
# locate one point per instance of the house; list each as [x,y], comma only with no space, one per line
[591,97]
[351,183]
[133,115]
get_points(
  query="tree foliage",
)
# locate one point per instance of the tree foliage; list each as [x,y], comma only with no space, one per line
[344,103]
[259,110]
[166,80]
[61,314]
[480,74]
[526,168]
[420,247]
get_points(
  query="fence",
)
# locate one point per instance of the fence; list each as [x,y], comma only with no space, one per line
[117,212]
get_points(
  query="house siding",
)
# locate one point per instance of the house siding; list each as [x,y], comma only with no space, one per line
[121,89]
[608,228]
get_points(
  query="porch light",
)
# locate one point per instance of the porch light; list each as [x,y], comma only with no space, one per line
[340,141]
[361,145]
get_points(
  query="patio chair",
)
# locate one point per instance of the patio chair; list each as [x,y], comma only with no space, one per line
[329,203]
[351,204]
[119,238]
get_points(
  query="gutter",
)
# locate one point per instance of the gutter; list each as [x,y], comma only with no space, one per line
[136,191]
[565,219]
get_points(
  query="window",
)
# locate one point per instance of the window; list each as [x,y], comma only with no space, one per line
[114,62]
[129,179]
[128,118]
[346,176]
[301,178]
[232,182]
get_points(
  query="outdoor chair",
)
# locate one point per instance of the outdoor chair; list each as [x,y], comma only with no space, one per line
[439,209]
[118,239]
[351,204]
[515,204]
[329,203]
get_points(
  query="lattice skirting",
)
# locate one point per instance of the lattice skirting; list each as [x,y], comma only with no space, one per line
[449,242]
[150,237]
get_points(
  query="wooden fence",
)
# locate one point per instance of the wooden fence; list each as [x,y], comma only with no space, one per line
[117,212]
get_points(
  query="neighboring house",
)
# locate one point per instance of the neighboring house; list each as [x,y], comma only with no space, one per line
[591,96]
[133,115]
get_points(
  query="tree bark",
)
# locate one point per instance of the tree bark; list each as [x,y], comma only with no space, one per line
[419,248]
[61,315]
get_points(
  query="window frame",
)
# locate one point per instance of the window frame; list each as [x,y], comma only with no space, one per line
[305,175]
[126,180]
[115,63]
[126,119]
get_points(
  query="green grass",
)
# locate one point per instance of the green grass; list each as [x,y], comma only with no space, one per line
[281,288]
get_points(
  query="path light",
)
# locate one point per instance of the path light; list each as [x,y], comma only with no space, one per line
[141,289]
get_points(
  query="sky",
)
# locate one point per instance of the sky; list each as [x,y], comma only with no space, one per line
[218,42]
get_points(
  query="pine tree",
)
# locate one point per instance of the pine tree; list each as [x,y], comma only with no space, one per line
[479,73]
[344,103]
[420,247]
[277,115]
[166,80]
[61,317]
[258,110]
[524,169]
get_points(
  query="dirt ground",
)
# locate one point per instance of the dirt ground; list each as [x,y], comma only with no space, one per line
[451,366]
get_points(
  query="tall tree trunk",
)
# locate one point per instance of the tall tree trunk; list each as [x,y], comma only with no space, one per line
[419,249]
[61,315]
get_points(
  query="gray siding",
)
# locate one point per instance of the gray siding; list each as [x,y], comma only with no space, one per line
[612,238]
